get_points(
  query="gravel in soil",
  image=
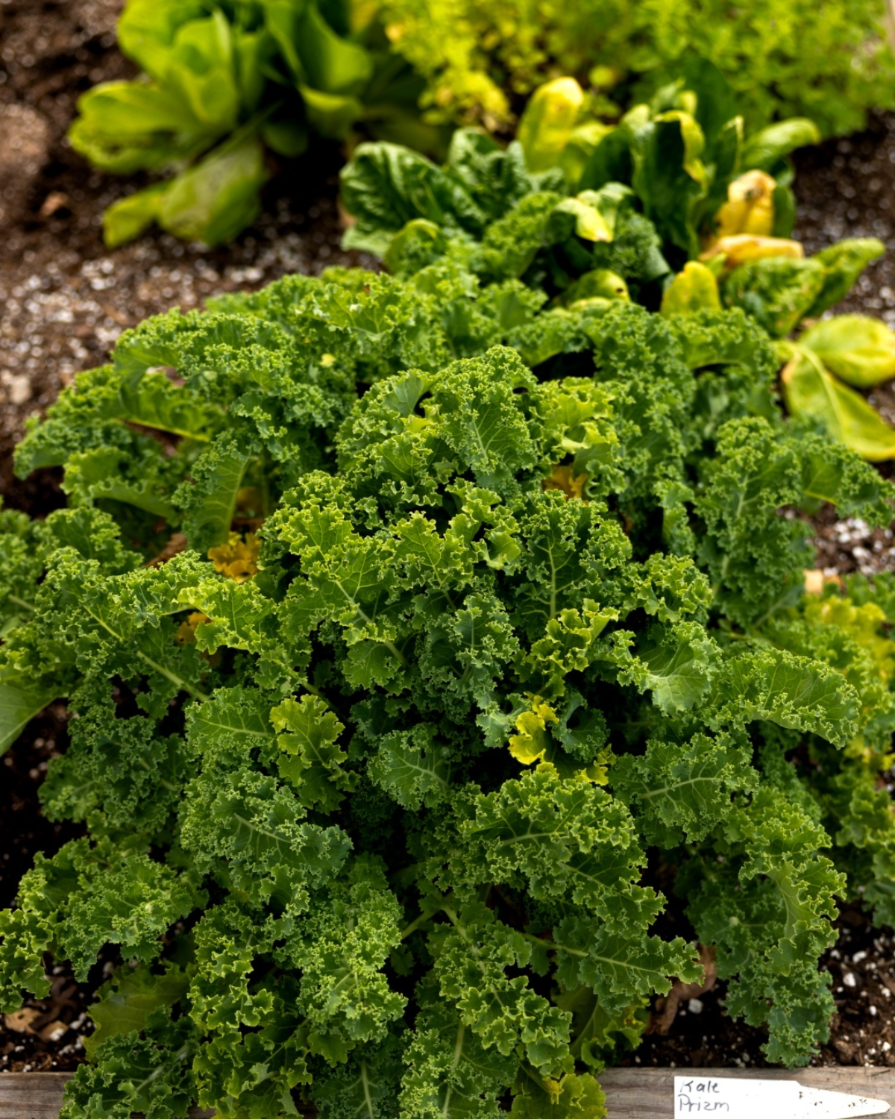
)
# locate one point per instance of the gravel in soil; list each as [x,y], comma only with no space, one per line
[47,1035]
[64,299]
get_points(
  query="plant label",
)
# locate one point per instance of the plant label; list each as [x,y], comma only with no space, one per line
[771,1099]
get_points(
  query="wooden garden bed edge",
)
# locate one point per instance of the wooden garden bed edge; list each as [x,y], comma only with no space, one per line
[631,1093]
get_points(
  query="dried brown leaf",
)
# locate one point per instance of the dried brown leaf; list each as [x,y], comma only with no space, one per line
[22,1021]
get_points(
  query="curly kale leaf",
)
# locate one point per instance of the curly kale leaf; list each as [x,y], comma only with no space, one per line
[774,880]
[562,841]
[364,1087]
[682,791]
[239,825]
[341,949]
[82,898]
[471,959]
[146,1069]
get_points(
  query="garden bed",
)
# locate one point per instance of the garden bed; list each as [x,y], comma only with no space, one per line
[63,308]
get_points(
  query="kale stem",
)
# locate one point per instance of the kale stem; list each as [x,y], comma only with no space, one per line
[414,925]
[532,1075]
[554,945]
[454,920]
[196,693]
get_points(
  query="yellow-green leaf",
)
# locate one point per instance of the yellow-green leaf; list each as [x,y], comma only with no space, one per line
[857,348]
[531,743]
[589,222]
[331,114]
[569,1097]
[581,145]
[597,284]
[534,744]
[129,217]
[694,143]
[548,121]
[742,248]
[773,143]
[749,207]
[694,289]
[20,700]
[811,390]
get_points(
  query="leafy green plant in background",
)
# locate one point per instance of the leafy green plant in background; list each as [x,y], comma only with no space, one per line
[223,81]
[675,207]
[828,61]
[670,165]
[434,609]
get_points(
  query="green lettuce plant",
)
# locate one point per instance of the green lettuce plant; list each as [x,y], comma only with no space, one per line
[675,207]
[223,82]
[407,624]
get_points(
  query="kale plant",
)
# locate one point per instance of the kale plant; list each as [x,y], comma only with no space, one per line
[407,626]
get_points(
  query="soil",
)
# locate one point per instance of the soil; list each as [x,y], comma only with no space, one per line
[843,189]
[64,299]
